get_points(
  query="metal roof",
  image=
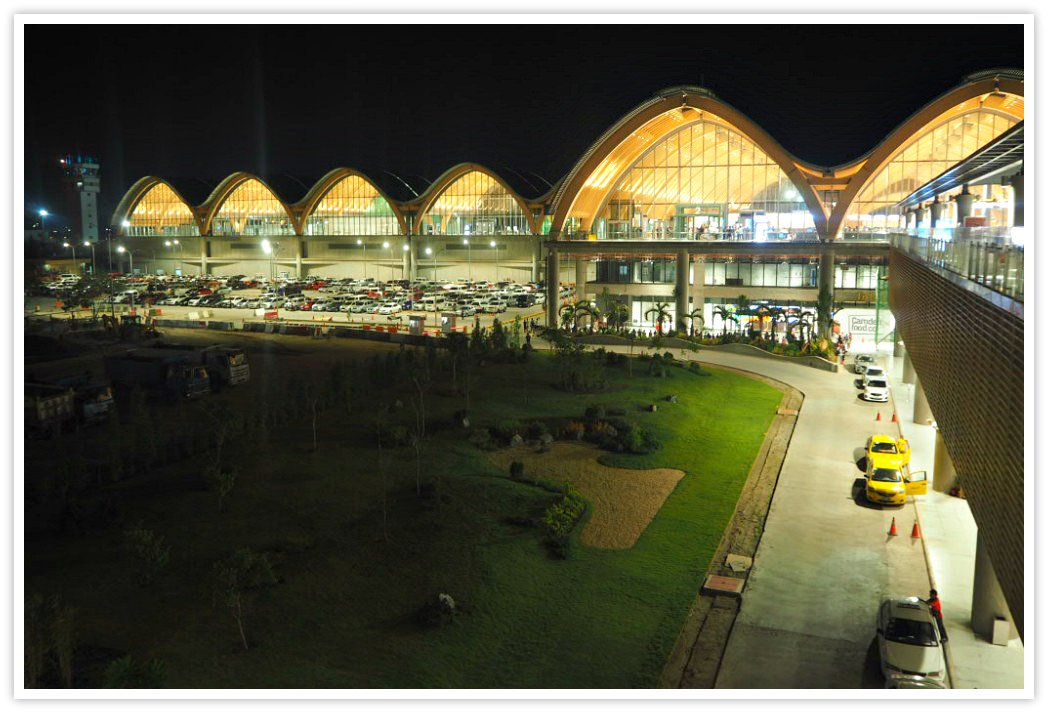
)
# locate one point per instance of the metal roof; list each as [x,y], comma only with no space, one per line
[1000,155]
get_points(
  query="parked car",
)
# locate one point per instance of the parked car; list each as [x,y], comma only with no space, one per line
[389,308]
[862,361]
[466,310]
[889,484]
[876,390]
[873,372]
[908,640]
[886,451]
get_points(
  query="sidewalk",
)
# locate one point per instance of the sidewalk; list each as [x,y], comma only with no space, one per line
[950,533]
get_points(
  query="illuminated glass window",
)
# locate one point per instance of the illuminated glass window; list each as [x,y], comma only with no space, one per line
[927,155]
[475,204]
[160,212]
[251,209]
[703,181]
[353,206]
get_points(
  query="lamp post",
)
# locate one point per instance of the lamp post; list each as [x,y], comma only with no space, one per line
[181,264]
[131,255]
[496,246]
[405,274]
[386,244]
[270,249]
[92,246]
[43,220]
[73,248]
[431,253]
[364,245]
[469,257]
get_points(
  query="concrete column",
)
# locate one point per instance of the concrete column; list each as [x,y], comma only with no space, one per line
[298,258]
[965,203]
[909,376]
[536,259]
[826,271]
[408,259]
[203,256]
[922,412]
[944,476]
[1018,198]
[552,287]
[581,277]
[683,293]
[698,288]
[988,602]
[899,348]
[936,211]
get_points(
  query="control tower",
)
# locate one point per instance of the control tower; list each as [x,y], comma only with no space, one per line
[83,181]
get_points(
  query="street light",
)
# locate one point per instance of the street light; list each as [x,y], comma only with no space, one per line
[92,246]
[122,249]
[469,257]
[73,248]
[270,250]
[364,245]
[429,251]
[496,246]
[181,264]
[404,273]
[385,244]
[43,220]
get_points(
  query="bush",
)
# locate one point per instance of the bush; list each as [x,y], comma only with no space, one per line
[481,438]
[439,611]
[668,358]
[615,359]
[507,428]
[127,673]
[149,552]
[575,430]
[596,412]
[535,429]
[516,470]
[560,519]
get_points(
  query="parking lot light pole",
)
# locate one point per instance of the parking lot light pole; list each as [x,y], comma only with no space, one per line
[406,276]
[92,246]
[431,253]
[364,245]
[386,244]
[496,246]
[172,243]
[131,256]
[73,248]
[469,257]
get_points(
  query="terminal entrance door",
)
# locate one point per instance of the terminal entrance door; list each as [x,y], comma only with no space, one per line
[699,221]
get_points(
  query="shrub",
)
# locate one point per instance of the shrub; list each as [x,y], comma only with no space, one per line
[574,430]
[535,429]
[149,552]
[615,359]
[507,428]
[667,357]
[560,519]
[516,470]
[481,438]
[596,412]
[125,672]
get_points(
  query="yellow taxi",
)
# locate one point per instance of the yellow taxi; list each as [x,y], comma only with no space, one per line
[887,452]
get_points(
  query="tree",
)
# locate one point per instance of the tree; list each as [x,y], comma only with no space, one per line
[696,314]
[726,314]
[585,309]
[743,307]
[235,577]
[806,321]
[824,310]
[618,315]
[148,550]
[421,381]
[777,314]
[660,313]
[224,480]
[567,314]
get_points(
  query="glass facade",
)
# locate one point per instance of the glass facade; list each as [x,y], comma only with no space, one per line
[353,206]
[160,212]
[660,271]
[475,204]
[251,209]
[927,155]
[702,181]
[794,273]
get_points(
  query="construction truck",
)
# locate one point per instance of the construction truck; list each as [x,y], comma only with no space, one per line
[159,371]
[93,399]
[227,366]
[48,409]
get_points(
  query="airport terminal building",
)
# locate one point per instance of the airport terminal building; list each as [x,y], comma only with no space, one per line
[684,200]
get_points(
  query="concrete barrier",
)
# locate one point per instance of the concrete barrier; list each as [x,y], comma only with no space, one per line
[815,362]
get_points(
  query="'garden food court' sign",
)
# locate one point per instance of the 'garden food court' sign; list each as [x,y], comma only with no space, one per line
[863,322]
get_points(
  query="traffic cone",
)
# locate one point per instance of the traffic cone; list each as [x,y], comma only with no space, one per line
[892,532]
[878,416]
[916,531]
[895,417]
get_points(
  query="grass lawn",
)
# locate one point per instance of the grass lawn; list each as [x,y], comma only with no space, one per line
[342,614]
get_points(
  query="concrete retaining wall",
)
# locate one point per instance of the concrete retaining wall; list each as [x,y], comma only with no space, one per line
[675,343]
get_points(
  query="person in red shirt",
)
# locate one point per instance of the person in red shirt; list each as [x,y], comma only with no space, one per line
[936,606]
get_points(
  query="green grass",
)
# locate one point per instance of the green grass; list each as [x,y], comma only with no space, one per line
[342,614]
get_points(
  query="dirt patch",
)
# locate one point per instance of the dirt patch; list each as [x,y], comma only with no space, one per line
[624,500]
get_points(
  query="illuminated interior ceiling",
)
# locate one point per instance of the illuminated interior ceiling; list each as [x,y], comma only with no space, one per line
[718,144]
[939,144]
[251,209]
[161,212]
[353,206]
[476,203]
[704,162]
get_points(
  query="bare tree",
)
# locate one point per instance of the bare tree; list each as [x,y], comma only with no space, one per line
[235,577]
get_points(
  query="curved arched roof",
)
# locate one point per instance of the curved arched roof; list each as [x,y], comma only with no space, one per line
[218,197]
[137,191]
[321,188]
[446,179]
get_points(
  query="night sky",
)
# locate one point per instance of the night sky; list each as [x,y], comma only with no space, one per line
[205,101]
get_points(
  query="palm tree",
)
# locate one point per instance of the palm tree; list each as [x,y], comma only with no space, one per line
[618,315]
[567,313]
[807,321]
[763,312]
[696,314]
[726,314]
[661,313]
[777,314]
[587,309]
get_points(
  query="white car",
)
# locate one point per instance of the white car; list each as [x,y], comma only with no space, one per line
[466,310]
[876,390]
[908,640]
[863,362]
[389,308]
[873,372]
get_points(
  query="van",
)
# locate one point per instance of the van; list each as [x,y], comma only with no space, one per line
[432,304]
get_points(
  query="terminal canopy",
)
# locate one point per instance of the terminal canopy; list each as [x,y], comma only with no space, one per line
[940,144]
[161,212]
[353,206]
[251,209]
[702,178]
[476,203]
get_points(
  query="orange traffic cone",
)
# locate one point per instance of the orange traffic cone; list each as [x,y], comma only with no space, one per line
[895,417]
[916,531]
[892,532]
[878,416]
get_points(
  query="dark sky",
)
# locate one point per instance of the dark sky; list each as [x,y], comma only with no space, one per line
[204,101]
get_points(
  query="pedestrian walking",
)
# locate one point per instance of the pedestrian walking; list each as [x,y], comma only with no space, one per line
[936,608]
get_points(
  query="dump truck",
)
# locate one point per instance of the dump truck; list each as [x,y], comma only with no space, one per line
[227,366]
[48,409]
[159,371]
[93,399]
